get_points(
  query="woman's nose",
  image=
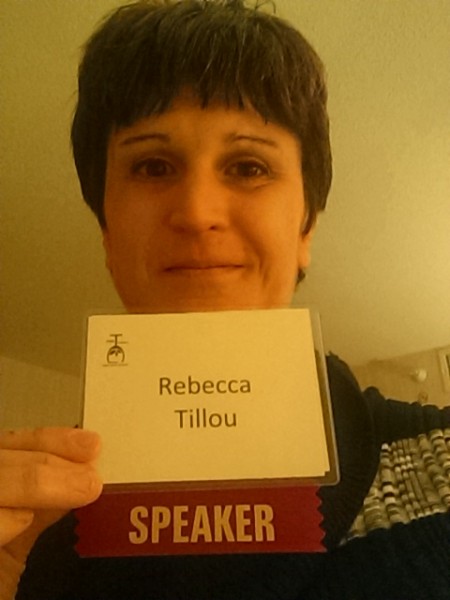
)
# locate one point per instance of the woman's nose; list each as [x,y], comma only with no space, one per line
[199,204]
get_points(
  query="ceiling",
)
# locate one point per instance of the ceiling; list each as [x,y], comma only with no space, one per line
[381,255]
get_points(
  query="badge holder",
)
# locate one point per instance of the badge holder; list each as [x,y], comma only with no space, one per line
[217,433]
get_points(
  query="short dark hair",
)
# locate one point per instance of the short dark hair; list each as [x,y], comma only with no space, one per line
[143,54]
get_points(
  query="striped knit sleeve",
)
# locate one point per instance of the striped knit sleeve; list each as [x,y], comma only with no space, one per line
[413,477]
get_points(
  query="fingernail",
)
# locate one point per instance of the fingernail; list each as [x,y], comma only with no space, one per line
[87,440]
[88,484]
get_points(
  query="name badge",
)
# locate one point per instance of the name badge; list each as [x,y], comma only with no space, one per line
[203,397]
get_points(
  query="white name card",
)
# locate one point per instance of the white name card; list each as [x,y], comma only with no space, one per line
[210,396]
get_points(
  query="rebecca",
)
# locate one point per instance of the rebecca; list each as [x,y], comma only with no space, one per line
[192,386]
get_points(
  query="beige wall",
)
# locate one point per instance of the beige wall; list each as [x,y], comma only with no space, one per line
[31,396]
[394,378]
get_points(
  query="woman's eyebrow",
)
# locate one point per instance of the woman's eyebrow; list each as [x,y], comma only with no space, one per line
[237,137]
[143,137]
[229,138]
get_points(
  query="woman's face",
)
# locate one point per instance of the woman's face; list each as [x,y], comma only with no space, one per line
[204,211]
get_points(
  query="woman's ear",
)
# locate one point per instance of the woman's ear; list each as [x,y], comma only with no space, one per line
[304,248]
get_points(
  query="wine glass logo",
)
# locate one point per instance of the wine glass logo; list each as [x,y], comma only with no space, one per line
[116,353]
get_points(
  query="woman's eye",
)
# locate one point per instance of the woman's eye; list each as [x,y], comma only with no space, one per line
[248,169]
[153,167]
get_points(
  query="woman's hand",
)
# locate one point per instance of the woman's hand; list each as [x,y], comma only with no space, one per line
[44,473]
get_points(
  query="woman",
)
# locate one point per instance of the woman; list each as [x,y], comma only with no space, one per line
[201,144]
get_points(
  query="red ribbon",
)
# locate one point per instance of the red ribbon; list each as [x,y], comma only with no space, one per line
[218,521]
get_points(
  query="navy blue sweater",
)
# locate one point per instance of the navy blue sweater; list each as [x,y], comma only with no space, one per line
[387,526]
